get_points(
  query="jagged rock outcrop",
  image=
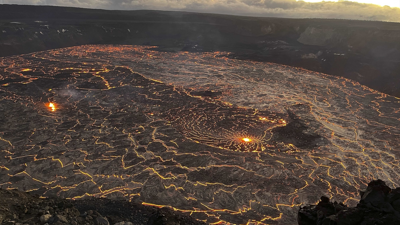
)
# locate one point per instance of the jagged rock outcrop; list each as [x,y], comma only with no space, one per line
[379,204]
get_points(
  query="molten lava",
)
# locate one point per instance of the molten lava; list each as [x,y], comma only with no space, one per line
[52,106]
[247,140]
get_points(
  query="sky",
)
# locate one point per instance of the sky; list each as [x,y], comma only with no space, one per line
[391,3]
[340,9]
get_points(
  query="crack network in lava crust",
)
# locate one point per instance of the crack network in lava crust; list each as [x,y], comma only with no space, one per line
[224,140]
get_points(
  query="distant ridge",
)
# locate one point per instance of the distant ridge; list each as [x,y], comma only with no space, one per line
[364,51]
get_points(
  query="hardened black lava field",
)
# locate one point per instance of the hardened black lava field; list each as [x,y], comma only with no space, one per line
[220,139]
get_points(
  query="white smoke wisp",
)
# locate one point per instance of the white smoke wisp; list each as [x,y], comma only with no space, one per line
[70,93]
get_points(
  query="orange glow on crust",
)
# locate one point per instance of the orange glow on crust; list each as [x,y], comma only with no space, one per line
[282,121]
[52,106]
[353,157]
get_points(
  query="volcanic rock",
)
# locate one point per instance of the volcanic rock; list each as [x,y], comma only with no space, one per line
[102,221]
[30,208]
[379,204]
[60,218]
[124,223]
[2,217]
[45,218]
[165,217]
[211,94]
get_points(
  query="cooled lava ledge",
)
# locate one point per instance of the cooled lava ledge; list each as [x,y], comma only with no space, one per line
[379,204]
[18,207]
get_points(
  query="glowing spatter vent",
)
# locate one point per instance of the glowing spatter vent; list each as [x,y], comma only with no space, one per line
[282,121]
[52,106]
[246,140]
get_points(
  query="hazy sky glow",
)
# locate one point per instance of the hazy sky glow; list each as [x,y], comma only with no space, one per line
[340,9]
[391,3]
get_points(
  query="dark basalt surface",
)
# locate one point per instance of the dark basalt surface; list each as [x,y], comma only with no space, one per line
[18,207]
[297,131]
[365,51]
[379,204]
[211,94]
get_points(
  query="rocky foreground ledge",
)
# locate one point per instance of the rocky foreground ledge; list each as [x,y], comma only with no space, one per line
[20,208]
[379,204]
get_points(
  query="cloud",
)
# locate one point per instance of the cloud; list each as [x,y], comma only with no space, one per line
[274,8]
